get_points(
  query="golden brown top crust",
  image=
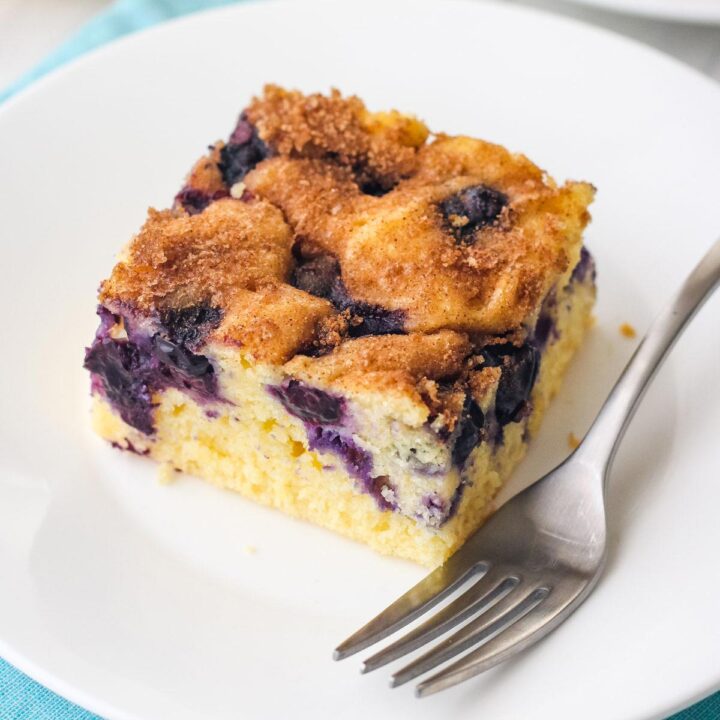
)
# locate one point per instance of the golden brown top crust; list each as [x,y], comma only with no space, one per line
[381,149]
[180,260]
[437,356]
[235,256]
[395,251]
[406,364]
[319,222]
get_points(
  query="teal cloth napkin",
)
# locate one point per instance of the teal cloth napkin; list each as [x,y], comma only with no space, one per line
[20,697]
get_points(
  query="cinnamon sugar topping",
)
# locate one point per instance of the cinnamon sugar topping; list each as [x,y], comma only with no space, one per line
[438,238]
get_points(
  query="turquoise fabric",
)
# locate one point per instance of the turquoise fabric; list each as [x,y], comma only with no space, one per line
[20,697]
[121,18]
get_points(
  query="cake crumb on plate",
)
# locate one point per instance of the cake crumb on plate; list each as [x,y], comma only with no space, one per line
[166,473]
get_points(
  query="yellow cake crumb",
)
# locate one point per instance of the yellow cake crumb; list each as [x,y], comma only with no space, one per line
[573,440]
[166,473]
[628,331]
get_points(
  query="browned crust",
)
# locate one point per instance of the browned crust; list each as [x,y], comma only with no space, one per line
[395,251]
[315,126]
[437,356]
[179,260]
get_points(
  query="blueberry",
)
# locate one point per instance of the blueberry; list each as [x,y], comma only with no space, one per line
[123,372]
[519,372]
[375,187]
[316,276]
[476,206]
[194,201]
[585,267]
[243,152]
[189,326]
[128,372]
[320,276]
[187,362]
[468,436]
[544,328]
[374,319]
[308,403]
[243,132]
[494,355]
[357,461]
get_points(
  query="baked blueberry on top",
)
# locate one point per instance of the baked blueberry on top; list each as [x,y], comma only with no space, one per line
[348,318]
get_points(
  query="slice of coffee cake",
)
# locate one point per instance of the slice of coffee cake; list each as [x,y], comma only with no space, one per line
[347,319]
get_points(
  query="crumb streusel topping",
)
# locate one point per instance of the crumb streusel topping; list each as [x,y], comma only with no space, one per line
[344,242]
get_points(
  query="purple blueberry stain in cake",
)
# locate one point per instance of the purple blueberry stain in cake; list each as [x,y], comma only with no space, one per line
[369,319]
[384,492]
[323,415]
[545,329]
[189,326]
[121,372]
[174,356]
[493,430]
[107,321]
[128,371]
[519,372]
[435,510]
[242,153]
[357,461]
[310,404]
[585,267]
[469,431]
[320,276]
[194,200]
[472,209]
[455,500]
[129,447]
[438,511]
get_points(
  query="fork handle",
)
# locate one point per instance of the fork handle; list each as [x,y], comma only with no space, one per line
[606,432]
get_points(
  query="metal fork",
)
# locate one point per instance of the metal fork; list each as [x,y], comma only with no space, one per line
[542,553]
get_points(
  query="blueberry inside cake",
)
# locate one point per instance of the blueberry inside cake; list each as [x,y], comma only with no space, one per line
[348,318]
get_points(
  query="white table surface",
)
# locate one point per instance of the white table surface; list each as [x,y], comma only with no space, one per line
[31,28]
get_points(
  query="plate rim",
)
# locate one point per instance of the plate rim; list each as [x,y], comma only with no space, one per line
[587,24]
[694,11]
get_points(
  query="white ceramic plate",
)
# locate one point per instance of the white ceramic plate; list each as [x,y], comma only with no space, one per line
[697,11]
[138,600]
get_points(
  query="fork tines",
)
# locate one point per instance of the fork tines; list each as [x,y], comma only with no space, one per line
[497,608]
